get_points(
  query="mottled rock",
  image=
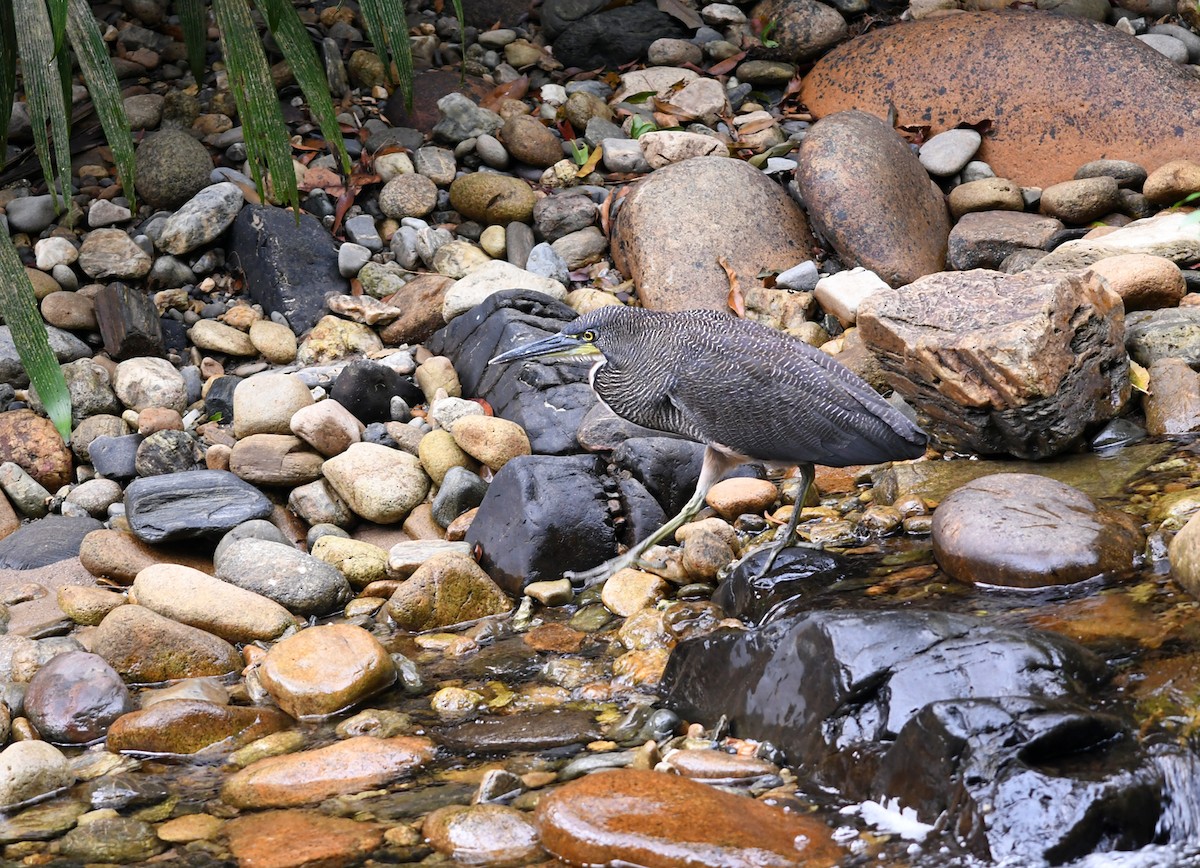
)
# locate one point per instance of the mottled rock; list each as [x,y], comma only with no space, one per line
[664,237]
[1020,530]
[149,382]
[492,198]
[447,589]
[172,167]
[201,219]
[655,825]
[1002,363]
[323,670]
[482,834]
[297,581]
[283,839]
[959,69]
[112,253]
[349,766]
[145,647]
[333,339]
[75,697]
[1163,334]
[188,726]
[32,442]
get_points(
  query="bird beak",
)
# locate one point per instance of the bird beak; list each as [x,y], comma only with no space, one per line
[559,346]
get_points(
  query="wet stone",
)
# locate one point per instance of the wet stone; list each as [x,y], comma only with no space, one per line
[526,731]
[29,769]
[188,726]
[75,697]
[282,839]
[656,825]
[325,669]
[112,839]
[447,589]
[145,647]
[482,834]
[41,822]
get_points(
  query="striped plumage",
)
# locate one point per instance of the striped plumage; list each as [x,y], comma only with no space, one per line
[743,387]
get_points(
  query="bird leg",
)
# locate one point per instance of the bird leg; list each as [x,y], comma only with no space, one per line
[715,465]
[783,541]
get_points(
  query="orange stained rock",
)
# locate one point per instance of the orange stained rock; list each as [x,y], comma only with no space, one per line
[1054,92]
[664,821]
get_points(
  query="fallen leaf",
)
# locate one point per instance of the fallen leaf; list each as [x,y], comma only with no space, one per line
[320,178]
[515,89]
[727,65]
[735,300]
[756,126]
[1139,377]
[690,17]
[592,161]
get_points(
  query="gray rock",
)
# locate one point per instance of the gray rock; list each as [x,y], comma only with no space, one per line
[802,277]
[318,503]
[1168,46]
[30,214]
[29,497]
[170,272]
[983,239]
[104,212]
[204,217]
[112,840]
[45,541]
[518,243]
[361,230]
[115,456]
[90,388]
[563,213]
[172,167]
[462,119]
[168,451]
[29,769]
[258,528]
[1183,34]
[297,581]
[544,261]
[492,153]
[1127,174]
[436,164]
[193,504]
[1151,335]
[460,490]
[404,246]
[946,153]
[351,258]
[65,346]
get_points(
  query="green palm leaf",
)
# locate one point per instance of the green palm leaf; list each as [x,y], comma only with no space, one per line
[195,32]
[43,87]
[297,47]
[8,73]
[106,94]
[19,307]
[258,105]
[388,29]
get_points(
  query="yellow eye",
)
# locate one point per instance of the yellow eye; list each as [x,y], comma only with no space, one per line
[589,336]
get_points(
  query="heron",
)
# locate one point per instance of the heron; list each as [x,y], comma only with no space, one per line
[748,392]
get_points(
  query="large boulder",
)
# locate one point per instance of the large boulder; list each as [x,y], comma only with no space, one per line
[669,239]
[996,363]
[868,196]
[1020,74]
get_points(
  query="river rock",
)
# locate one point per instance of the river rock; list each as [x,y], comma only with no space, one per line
[490,440]
[971,56]
[360,562]
[1170,235]
[447,589]
[350,766]
[289,267]
[272,839]
[947,344]
[656,825]
[924,657]
[492,198]
[1153,335]
[544,515]
[210,604]
[201,219]
[327,426]
[118,556]
[172,167]
[1021,530]
[984,239]
[73,698]
[366,389]
[112,253]
[1173,404]
[149,382]
[188,726]
[145,647]
[33,443]
[855,169]
[275,459]
[1185,556]
[65,346]
[265,404]
[380,484]
[323,670]
[482,834]
[1144,282]
[29,769]
[192,504]
[664,237]
[593,35]
[45,541]
[297,581]
[111,840]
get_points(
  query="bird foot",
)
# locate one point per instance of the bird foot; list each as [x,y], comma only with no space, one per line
[599,574]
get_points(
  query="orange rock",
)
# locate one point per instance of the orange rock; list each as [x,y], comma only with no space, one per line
[554,637]
[324,669]
[650,819]
[349,766]
[1048,114]
[186,726]
[31,441]
[283,839]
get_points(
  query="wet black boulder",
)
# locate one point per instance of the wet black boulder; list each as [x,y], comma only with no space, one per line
[366,389]
[544,515]
[798,578]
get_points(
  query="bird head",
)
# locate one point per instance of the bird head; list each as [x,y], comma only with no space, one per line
[582,339]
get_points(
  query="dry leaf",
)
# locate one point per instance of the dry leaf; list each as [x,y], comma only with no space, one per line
[735,300]
[321,178]
[690,17]
[592,161]
[726,65]
[756,126]
[515,89]
[1139,377]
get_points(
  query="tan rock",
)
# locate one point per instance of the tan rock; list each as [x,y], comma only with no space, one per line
[200,600]
[188,726]
[275,459]
[439,452]
[265,404]
[325,669]
[1173,405]
[629,590]
[421,301]
[490,439]
[437,372]
[208,334]
[1172,181]
[447,589]
[380,484]
[32,442]
[986,194]
[87,606]
[112,554]
[327,426]
[349,766]
[732,497]
[334,338]
[145,647]
[360,562]
[1144,282]
[274,340]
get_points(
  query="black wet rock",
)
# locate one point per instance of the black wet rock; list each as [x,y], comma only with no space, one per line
[668,467]
[548,400]
[528,731]
[45,541]
[75,697]
[1027,781]
[460,490]
[614,36]
[115,457]
[544,515]
[290,268]
[218,401]
[366,389]
[191,504]
[797,577]
[827,686]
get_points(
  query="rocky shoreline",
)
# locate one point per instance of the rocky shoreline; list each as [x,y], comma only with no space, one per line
[293,593]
